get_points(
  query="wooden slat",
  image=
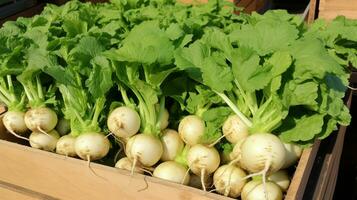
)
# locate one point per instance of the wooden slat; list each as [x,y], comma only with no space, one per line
[329,9]
[8,194]
[302,173]
[312,11]
[68,178]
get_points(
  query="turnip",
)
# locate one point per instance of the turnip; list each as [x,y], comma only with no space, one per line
[292,154]
[172,144]
[229,180]
[203,161]
[191,128]
[164,118]
[14,122]
[254,190]
[43,141]
[145,149]
[66,146]
[127,164]
[91,146]
[63,127]
[234,129]
[281,178]
[262,154]
[124,122]
[172,171]
[235,155]
[41,119]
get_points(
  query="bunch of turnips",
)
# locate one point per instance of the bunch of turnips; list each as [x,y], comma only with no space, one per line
[192,94]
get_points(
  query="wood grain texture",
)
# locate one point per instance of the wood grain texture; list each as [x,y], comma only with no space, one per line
[302,173]
[69,178]
[329,9]
[7,194]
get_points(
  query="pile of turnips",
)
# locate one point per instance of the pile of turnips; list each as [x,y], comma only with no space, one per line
[191,94]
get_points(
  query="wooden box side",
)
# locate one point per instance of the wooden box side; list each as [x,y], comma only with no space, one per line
[44,174]
[329,9]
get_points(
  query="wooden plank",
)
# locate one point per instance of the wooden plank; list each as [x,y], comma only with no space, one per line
[302,173]
[7,194]
[329,9]
[69,178]
[312,11]
[338,4]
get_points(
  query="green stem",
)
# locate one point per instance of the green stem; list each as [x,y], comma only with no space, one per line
[124,96]
[245,120]
[143,108]
[247,100]
[28,93]
[161,112]
[5,92]
[39,88]
[4,99]
[78,117]
[99,104]
[11,88]
[201,110]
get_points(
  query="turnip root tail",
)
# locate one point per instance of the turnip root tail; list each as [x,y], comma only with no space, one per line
[234,161]
[262,173]
[117,154]
[186,174]
[352,88]
[16,135]
[145,170]
[91,169]
[44,132]
[134,164]
[219,139]
[203,179]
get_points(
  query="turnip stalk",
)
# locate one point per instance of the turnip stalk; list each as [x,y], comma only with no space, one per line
[84,114]
[39,117]
[13,119]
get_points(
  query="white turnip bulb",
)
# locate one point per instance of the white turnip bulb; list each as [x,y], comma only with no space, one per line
[92,146]
[172,144]
[65,146]
[124,122]
[43,141]
[172,171]
[229,180]
[191,129]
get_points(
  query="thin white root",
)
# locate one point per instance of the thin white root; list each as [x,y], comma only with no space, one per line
[44,132]
[134,165]
[203,179]
[219,139]
[234,161]
[148,168]
[146,185]
[263,172]
[186,174]
[147,171]
[352,88]
[228,187]
[110,133]
[121,143]
[213,190]
[117,154]
[91,169]
[18,136]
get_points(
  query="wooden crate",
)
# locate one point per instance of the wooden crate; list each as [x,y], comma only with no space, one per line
[31,173]
[27,173]
[329,9]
